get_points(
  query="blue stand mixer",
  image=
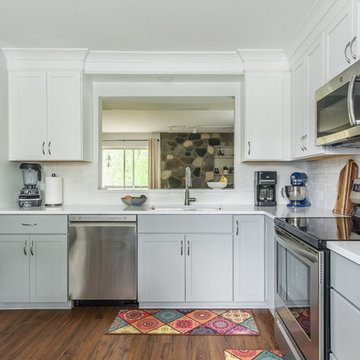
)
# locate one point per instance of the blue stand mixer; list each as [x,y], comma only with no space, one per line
[296,192]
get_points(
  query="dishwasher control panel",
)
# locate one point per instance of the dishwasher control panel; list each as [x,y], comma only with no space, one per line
[102,218]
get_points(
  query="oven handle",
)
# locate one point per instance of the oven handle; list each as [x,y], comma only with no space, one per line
[294,245]
[350,102]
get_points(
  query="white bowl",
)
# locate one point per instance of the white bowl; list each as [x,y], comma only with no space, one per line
[217,185]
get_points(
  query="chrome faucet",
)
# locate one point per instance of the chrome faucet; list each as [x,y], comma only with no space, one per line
[188,184]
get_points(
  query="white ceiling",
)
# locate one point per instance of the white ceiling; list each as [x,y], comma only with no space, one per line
[152,25]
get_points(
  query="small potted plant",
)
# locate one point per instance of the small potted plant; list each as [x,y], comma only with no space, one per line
[226,170]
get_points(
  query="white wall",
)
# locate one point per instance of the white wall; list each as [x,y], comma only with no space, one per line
[10,175]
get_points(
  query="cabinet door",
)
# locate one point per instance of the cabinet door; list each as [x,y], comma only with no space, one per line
[264,116]
[161,267]
[315,79]
[64,94]
[209,267]
[299,106]
[249,258]
[337,36]
[27,115]
[48,268]
[14,268]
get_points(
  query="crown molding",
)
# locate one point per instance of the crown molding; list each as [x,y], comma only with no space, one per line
[159,62]
[44,59]
[223,63]
[264,59]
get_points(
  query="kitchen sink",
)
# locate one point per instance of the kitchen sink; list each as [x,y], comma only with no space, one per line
[185,208]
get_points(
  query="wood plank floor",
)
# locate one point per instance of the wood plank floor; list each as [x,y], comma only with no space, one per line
[80,334]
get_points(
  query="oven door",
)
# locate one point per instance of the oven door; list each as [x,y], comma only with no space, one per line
[338,109]
[299,293]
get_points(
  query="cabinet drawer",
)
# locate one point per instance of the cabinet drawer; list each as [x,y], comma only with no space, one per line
[33,224]
[185,224]
[344,324]
[342,273]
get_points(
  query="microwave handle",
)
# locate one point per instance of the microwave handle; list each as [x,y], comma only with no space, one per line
[350,102]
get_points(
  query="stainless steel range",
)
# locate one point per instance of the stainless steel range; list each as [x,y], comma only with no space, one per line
[302,289]
[299,298]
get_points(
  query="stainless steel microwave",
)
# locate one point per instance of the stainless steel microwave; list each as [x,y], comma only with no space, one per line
[338,110]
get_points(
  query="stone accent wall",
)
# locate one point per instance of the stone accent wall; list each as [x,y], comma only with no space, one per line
[179,150]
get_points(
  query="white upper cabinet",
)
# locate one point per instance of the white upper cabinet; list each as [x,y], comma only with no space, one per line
[340,42]
[299,103]
[46,103]
[307,77]
[45,118]
[27,113]
[65,123]
[315,79]
[265,114]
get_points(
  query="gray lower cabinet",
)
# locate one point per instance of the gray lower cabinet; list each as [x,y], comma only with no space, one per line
[185,258]
[33,267]
[249,258]
[189,267]
[161,267]
[344,308]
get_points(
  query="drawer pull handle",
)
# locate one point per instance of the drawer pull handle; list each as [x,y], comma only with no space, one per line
[42,147]
[25,243]
[237,227]
[26,224]
[49,148]
[188,248]
[31,248]
[182,248]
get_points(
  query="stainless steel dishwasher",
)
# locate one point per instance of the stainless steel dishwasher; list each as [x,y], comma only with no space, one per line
[102,257]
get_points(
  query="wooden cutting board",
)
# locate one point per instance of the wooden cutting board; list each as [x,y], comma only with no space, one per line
[343,204]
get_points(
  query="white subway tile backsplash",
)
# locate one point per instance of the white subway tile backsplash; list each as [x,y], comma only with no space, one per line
[323,178]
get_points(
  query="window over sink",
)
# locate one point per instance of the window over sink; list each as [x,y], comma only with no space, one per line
[148,142]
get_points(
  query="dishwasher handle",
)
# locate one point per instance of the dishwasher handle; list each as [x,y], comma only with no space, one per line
[103,224]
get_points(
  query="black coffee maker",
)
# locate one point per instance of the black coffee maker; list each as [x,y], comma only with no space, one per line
[265,188]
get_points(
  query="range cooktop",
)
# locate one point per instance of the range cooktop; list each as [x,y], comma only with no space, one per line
[317,231]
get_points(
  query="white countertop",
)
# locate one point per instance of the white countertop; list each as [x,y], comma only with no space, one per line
[347,249]
[234,209]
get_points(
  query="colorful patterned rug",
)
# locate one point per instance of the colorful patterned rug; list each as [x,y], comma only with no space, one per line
[252,354]
[184,322]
